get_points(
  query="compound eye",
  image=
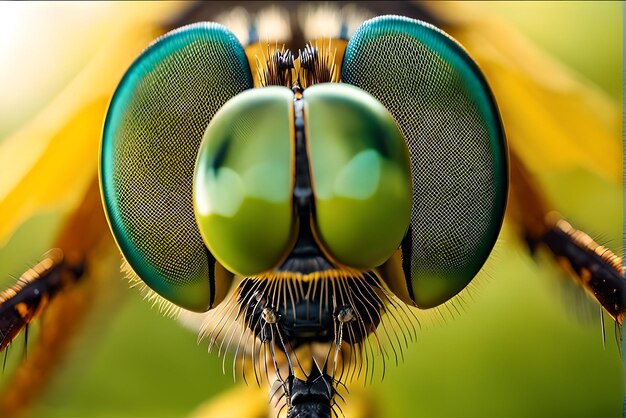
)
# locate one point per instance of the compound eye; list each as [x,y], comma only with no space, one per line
[243,181]
[361,175]
[450,120]
[150,143]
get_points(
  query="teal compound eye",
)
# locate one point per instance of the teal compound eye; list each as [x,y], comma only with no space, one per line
[243,181]
[360,172]
[448,116]
[152,133]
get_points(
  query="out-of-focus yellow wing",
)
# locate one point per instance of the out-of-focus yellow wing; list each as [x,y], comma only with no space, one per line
[53,158]
[52,162]
[529,85]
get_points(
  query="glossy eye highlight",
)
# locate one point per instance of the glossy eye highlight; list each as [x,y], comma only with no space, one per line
[243,181]
[361,175]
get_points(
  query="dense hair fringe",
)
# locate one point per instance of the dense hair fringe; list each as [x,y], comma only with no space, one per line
[165,307]
[265,361]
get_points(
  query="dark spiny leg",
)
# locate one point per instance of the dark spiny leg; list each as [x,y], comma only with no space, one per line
[20,304]
[594,267]
[67,293]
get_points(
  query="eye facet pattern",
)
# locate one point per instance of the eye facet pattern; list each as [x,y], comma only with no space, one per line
[151,138]
[447,114]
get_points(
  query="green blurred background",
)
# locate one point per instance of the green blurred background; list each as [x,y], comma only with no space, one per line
[516,350]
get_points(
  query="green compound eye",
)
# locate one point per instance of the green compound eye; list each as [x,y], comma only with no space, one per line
[449,118]
[243,181]
[361,175]
[150,143]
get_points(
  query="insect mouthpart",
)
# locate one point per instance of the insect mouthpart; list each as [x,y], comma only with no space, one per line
[291,309]
[314,329]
